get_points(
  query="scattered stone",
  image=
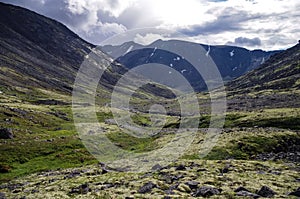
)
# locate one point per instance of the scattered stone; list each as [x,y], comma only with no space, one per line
[34,191]
[110,121]
[295,193]
[82,189]
[225,169]
[156,167]
[6,133]
[247,194]
[104,171]
[2,195]
[180,168]
[266,192]
[192,184]
[107,186]
[147,187]
[73,174]
[201,170]
[207,191]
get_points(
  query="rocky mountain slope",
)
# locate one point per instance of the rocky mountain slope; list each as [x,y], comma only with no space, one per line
[281,71]
[231,61]
[275,84]
[38,51]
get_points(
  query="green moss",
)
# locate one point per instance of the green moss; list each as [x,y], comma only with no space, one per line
[131,143]
[249,146]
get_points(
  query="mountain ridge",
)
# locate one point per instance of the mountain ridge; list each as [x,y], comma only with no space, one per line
[281,71]
[231,61]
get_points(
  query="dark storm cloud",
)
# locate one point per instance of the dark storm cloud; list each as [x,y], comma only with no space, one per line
[229,20]
[243,41]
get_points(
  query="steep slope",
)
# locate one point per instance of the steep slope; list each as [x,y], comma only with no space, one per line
[38,51]
[281,71]
[231,61]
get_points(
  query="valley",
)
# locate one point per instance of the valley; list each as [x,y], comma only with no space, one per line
[257,153]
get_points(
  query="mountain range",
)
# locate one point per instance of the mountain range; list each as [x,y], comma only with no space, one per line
[231,61]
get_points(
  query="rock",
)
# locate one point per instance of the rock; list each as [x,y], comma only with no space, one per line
[2,195]
[106,186]
[241,189]
[266,192]
[104,171]
[180,168]
[156,167]
[295,193]
[6,133]
[184,188]
[192,184]
[207,191]
[225,169]
[73,174]
[247,194]
[82,189]
[129,197]
[147,187]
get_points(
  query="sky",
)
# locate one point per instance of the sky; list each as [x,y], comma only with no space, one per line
[253,24]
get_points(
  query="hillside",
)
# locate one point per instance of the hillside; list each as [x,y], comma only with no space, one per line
[38,51]
[281,71]
[275,84]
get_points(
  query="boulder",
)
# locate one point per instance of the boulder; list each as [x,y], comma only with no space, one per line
[295,193]
[266,192]
[207,191]
[6,133]
[147,187]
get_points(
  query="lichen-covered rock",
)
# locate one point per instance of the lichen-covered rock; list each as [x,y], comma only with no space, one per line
[2,195]
[207,191]
[266,192]
[192,184]
[295,193]
[147,187]
[247,194]
[82,189]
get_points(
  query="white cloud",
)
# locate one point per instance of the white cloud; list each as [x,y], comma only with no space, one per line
[147,39]
[274,22]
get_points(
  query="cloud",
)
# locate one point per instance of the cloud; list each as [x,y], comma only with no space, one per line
[213,21]
[243,41]
[147,39]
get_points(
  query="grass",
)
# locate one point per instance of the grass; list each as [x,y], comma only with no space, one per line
[46,139]
[246,147]
[131,143]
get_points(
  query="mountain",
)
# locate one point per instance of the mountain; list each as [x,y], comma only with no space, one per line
[231,61]
[38,51]
[275,84]
[281,71]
